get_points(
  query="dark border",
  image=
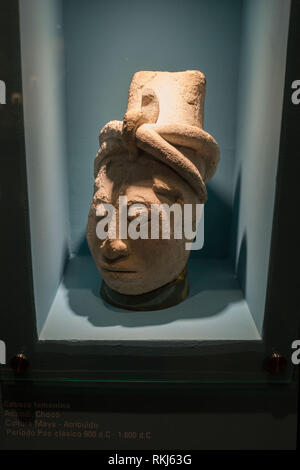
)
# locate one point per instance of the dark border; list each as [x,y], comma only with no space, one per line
[283,290]
[17,302]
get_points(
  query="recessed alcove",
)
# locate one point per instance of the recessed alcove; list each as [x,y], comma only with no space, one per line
[77,62]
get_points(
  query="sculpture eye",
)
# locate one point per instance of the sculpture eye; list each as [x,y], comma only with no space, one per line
[132,217]
[138,210]
[137,214]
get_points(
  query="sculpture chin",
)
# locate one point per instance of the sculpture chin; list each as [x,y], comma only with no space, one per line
[164,297]
[125,282]
[136,283]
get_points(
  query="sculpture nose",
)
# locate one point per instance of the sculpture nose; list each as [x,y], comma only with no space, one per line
[114,249]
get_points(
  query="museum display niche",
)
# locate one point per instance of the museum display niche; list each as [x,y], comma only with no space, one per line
[228,325]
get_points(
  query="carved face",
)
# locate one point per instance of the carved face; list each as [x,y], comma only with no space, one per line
[136,266]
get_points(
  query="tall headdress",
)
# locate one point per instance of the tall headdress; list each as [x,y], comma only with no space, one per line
[164,118]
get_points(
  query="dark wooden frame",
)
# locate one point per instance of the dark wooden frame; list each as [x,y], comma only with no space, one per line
[204,362]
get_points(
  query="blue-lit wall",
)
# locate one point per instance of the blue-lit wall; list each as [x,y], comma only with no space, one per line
[261,85]
[43,80]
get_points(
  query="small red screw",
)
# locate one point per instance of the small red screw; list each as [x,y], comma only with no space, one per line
[19,363]
[276,363]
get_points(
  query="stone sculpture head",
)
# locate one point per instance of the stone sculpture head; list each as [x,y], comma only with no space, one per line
[158,155]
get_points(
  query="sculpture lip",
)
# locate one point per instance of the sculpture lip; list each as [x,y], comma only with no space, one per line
[112,270]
